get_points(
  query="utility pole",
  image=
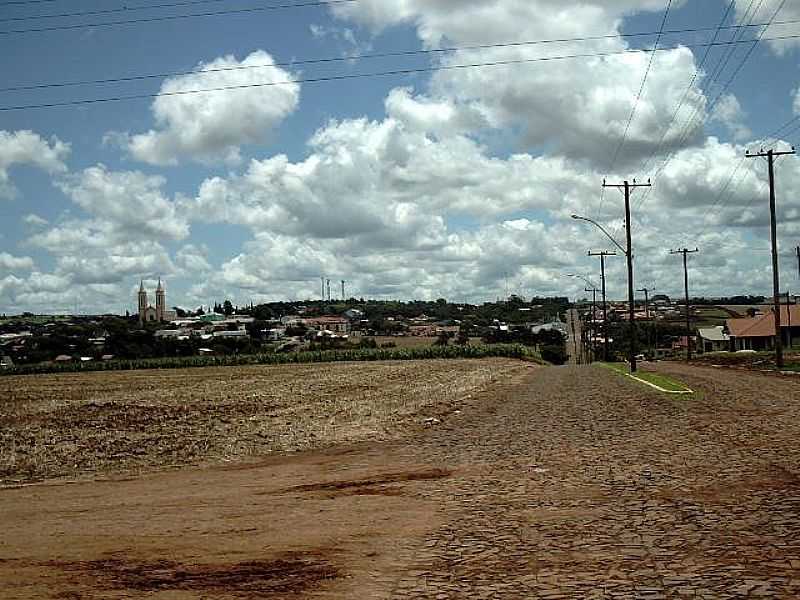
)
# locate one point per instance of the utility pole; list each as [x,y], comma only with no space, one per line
[647,311]
[686,252]
[329,290]
[798,260]
[343,296]
[592,329]
[602,256]
[322,281]
[770,156]
[626,188]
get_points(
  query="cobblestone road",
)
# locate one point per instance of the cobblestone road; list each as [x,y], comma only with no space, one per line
[586,486]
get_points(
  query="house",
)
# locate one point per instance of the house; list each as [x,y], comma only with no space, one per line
[338,325]
[6,362]
[354,314]
[713,339]
[758,332]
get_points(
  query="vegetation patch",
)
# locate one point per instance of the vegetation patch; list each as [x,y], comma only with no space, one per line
[324,356]
[662,381]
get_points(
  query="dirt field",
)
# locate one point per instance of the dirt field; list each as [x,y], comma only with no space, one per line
[117,422]
[561,483]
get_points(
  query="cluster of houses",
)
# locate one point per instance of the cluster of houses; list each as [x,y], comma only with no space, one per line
[754,333]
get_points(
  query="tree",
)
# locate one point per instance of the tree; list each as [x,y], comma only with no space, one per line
[462,339]
[227,308]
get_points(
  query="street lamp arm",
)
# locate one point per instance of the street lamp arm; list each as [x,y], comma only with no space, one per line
[601,228]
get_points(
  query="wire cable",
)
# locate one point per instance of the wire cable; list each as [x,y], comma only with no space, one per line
[213,13]
[638,98]
[122,9]
[336,59]
[407,71]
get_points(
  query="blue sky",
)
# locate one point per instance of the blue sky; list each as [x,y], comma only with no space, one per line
[450,184]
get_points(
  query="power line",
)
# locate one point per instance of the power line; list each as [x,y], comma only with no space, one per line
[122,9]
[215,13]
[641,92]
[697,71]
[710,108]
[337,59]
[330,78]
[689,124]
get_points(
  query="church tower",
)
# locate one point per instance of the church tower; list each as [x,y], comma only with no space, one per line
[161,302]
[142,302]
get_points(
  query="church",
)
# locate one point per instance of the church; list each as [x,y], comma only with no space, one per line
[154,314]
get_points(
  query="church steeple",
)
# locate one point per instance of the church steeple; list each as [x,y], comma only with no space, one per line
[161,301]
[142,302]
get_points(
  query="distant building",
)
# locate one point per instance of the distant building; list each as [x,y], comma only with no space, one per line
[154,314]
[713,339]
[758,333]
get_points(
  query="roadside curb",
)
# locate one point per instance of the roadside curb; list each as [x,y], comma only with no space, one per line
[658,387]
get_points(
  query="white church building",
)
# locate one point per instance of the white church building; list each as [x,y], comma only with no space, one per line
[154,314]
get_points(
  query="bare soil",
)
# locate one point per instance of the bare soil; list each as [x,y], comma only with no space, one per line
[567,482]
[82,424]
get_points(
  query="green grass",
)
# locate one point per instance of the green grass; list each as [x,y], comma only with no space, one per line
[662,381]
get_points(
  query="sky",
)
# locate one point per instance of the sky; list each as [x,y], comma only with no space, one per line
[414,149]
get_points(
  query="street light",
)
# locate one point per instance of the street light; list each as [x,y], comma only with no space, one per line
[601,228]
[629,255]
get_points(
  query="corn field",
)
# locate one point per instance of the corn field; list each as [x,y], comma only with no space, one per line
[424,353]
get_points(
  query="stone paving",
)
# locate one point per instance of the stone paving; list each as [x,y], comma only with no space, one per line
[585,485]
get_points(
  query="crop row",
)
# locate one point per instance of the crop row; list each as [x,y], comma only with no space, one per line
[431,352]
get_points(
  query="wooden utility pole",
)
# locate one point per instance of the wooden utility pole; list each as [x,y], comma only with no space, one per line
[686,252]
[773,225]
[343,296]
[798,260]
[602,256]
[647,311]
[329,290]
[592,329]
[626,188]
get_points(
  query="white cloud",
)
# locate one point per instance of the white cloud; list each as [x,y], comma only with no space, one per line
[125,204]
[762,12]
[193,260]
[211,127]
[580,107]
[9,262]
[729,112]
[34,220]
[28,148]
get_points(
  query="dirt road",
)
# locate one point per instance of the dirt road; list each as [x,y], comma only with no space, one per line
[575,483]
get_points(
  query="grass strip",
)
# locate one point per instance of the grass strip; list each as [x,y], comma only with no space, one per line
[664,382]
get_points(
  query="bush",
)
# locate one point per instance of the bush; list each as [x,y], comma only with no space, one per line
[275,358]
[554,354]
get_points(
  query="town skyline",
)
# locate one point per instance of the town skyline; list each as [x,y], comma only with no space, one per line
[439,180]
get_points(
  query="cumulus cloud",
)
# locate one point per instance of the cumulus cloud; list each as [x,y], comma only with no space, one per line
[28,148]
[729,112]
[9,262]
[212,126]
[762,12]
[126,204]
[579,107]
